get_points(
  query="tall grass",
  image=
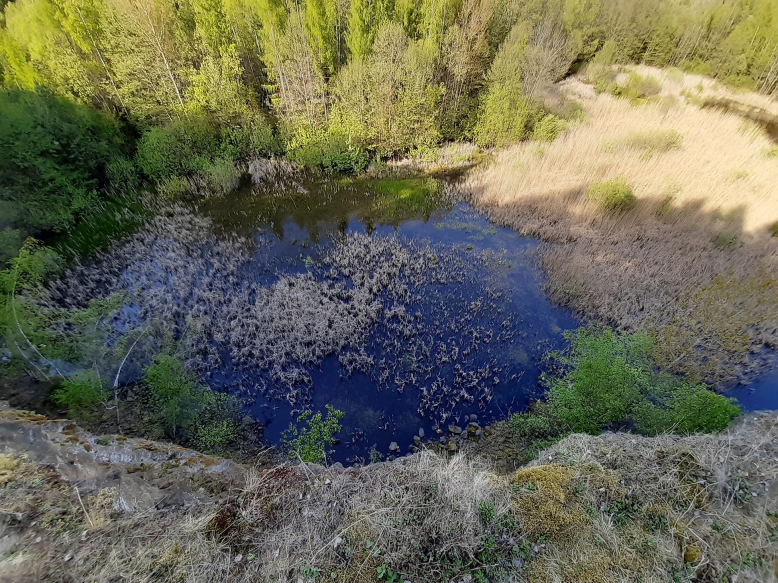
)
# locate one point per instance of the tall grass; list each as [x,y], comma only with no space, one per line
[657,267]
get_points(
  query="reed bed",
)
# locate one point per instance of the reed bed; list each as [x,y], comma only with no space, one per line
[693,262]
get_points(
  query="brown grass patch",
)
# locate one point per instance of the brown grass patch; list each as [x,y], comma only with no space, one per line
[692,262]
[616,507]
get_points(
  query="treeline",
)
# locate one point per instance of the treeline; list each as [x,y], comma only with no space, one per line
[330,83]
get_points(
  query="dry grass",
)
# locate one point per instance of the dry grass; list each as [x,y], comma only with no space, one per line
[692,262]
[694,508]
[616,507]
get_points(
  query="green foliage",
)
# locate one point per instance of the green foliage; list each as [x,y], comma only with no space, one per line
[612,196]
[607,374]
[222,176]
[80,393]
[54,154]
[173,188]
[548,128]
[774,229]
[539,423]
[312,441]
[10,243]
[725,239]
[329,152]
[506,115]
[610,380]
[178,404]
[637,88]
[486,511]
[177,149]
[685,409]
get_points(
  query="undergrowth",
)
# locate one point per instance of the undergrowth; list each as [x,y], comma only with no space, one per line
[607,380]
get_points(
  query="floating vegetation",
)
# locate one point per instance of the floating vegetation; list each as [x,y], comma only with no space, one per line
[401,315]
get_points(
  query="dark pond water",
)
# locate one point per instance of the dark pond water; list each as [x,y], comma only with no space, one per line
[388,300]
[464,342]
[392,301]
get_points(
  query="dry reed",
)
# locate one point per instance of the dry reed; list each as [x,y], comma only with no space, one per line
[693,262]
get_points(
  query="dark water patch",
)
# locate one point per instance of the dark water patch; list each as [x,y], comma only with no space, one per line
[390,301]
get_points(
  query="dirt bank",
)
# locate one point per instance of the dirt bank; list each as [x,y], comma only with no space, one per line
[618,507]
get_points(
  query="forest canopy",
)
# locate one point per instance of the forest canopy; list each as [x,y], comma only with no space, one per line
[200,86]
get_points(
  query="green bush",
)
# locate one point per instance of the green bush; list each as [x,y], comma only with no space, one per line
[54,153]
[10,243]
[223,176]
[250,140]
[685,409]
[173,187]
[548,128]
[177,149]
[312,441]
[80,393]
[725,240]
[612,196]
[329,152]
[607,374]
[637,88]
[539,423]
[122,174]
[774,229]
[610,380]
[180,406]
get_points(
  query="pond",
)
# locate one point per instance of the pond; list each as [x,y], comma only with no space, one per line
[390,300]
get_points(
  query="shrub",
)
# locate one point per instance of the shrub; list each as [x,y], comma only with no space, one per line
[636,88]
[771,151]
[607,375]
[247,141]
[223,176]
[329,152]
[536,424]
[54,154]
[725,239]
[685,409]
[613,196]
[310,443]
[80,393]
[10,243]
[607,380]
[548,128]
[180,405]
[651,142]
[173,187]
[122,174]
[774,229]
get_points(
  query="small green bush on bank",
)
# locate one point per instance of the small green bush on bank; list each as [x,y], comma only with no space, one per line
[178,404]
[80,394]
[609,380]
[612,196]
[313,441]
